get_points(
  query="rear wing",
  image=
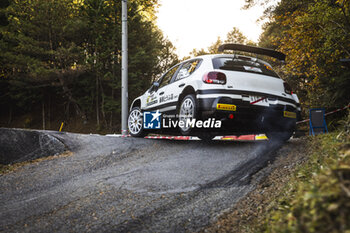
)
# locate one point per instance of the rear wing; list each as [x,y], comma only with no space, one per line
[252,49]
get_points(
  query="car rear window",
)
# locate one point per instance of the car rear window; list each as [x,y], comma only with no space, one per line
[243,64]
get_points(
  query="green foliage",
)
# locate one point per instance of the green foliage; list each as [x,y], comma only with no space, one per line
[215,46]
[76,46]
[3,17]
[234,36]
[315,36]
[317,198]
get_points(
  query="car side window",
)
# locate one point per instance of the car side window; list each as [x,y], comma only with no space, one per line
[167,77]
[187,69]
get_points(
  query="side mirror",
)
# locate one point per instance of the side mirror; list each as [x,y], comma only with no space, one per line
[156,84]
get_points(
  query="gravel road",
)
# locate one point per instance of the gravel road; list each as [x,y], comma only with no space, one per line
[131,185]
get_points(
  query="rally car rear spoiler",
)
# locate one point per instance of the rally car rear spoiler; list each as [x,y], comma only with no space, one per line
[252,49]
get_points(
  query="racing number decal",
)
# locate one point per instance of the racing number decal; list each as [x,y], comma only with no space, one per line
[193,67]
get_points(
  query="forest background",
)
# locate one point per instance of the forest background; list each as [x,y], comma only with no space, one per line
[60,60]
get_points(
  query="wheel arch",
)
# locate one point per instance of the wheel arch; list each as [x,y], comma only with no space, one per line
[135,103]
[186,91]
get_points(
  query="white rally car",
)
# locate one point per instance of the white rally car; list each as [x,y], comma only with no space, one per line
[231,94]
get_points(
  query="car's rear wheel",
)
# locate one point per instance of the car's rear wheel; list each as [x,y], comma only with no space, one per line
[187,112]
[135,123]
[206,137]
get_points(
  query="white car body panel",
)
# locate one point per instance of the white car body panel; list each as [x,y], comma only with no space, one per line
[236,81]
[258,100]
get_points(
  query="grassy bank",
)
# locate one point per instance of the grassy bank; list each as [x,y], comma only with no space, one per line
[308,190]
[317,196]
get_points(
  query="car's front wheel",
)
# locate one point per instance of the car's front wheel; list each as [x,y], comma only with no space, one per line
[187,112]
[135,123]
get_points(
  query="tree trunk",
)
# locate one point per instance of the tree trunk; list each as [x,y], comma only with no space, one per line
[111,119]
[66,115]
[71,99]
[102,105]
[97,103]
[49,114]
[43,113]
[10,115]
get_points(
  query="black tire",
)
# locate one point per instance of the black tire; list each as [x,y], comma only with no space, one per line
[206,137]
[191,111]
[135,123]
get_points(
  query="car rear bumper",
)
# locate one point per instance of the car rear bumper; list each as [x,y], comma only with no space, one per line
[246,117]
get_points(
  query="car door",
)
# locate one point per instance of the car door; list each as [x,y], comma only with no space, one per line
[178,83]
[155,94]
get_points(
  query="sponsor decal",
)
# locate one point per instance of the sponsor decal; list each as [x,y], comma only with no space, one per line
[166,98]
[151,100]
[259,100]
[289,114]
[226,107]
[151,120]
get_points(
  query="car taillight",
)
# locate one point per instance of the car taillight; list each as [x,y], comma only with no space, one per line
[287,88]
[214,78]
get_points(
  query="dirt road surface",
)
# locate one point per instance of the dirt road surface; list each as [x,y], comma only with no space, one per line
[132,185]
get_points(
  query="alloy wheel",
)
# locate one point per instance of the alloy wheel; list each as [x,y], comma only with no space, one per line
[135,121]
